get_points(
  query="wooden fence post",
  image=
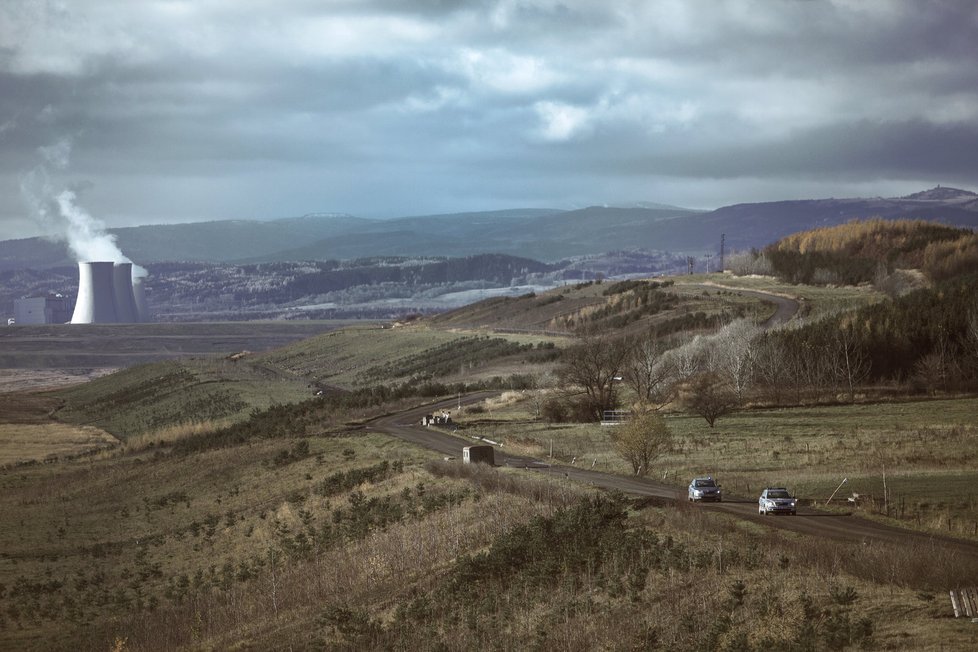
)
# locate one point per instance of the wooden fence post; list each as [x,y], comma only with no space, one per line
[955,604]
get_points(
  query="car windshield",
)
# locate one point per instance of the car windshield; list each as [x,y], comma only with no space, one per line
[778,493]
[705,483]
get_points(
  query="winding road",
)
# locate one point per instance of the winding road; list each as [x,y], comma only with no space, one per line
[811,521]
[844,527]
[786,307]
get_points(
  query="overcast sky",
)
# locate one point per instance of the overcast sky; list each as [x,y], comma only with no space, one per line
[163,111]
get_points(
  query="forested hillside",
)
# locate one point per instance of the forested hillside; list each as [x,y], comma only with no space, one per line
[859,251]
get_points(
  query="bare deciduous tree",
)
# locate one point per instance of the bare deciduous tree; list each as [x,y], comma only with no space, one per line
[687,359]
[648,372]
[641,440]
[710,397]
[773,367]
[594,364]
[938,369]
[735,354]
[850,363]
[971,327]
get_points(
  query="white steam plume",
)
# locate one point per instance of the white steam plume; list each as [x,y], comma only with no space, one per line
[62,219]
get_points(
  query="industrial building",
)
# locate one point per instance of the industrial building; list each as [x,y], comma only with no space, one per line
[106,295]
[51,309]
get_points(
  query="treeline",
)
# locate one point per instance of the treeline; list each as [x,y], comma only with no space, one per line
[494,268]
[860,251]
[928,337]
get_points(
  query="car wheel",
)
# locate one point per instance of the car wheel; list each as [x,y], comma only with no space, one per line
[760,511]
[793,512]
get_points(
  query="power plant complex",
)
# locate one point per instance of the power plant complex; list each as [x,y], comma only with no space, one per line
[107,294]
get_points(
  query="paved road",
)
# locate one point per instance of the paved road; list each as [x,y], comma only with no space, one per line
[845,527]
[786,309]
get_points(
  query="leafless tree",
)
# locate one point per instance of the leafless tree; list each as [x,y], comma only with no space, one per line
[938,369]
[971,328]
[745,263]
[594,364]
[735,354]
[710,397]
[648,372]
[687,359]
[850,363]
[774,368]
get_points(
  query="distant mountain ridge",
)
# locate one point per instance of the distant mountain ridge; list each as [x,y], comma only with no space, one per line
[540,234]
[943,194]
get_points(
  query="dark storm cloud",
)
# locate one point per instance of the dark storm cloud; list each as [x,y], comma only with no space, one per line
[182,110]
[910,150]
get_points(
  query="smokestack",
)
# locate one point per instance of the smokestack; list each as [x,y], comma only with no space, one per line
[139,294]
[96,297]
[125,302]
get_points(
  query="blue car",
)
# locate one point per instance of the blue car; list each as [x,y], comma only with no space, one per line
[704,490]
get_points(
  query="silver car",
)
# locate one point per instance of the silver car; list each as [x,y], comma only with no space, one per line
[704,489]
[776,500]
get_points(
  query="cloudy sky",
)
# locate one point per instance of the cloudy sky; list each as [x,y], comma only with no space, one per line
[170,110]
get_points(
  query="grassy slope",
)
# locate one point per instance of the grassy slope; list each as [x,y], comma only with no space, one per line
[225,549]
[352,356]
[566,308]
[163,394]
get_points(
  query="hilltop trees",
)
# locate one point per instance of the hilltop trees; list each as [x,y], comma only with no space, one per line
[851,253]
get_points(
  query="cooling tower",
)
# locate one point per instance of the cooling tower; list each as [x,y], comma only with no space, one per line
[139,294]
[125,302]
[96,296]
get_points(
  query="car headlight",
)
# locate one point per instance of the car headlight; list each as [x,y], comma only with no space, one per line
[697,492]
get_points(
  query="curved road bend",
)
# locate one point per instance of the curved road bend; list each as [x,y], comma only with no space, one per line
[786,307]
[407,426]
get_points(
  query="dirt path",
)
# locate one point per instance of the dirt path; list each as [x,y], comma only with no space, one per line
[845,527]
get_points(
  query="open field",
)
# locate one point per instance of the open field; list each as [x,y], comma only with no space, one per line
[73,346]
[23,443]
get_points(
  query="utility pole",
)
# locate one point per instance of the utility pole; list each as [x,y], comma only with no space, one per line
[689,264]
[723,242]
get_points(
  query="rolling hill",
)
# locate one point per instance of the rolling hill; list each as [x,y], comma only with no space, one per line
[542,234]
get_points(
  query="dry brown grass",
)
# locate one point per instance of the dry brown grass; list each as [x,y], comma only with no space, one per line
[21,443]
[170,434]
